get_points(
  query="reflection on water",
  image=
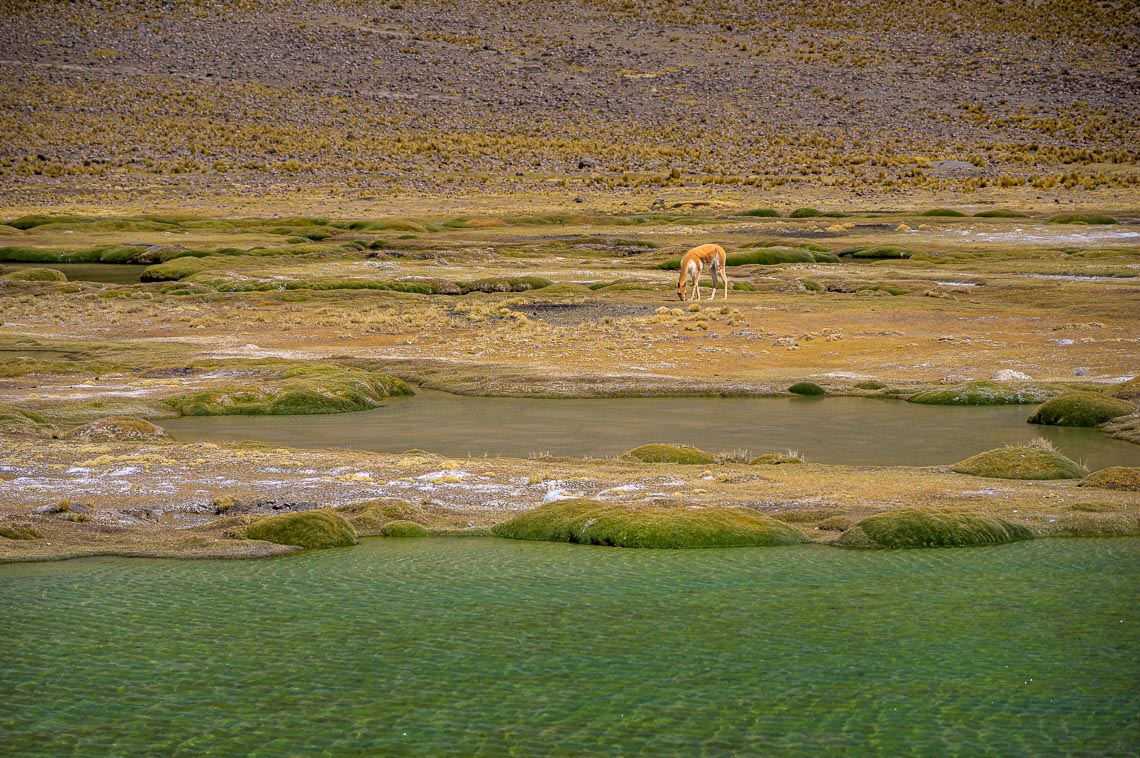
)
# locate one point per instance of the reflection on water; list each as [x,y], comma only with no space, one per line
[855,431]
[493,647]
[109,273]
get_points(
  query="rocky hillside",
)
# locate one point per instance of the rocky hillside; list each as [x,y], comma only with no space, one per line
[422,96]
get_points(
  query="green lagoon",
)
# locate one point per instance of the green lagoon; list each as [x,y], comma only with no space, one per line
[482,646]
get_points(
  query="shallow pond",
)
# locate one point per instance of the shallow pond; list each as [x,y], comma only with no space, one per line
[481,646]
[108,273]
[852,430]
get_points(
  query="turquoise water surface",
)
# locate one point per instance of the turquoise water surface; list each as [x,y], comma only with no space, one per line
[489,647]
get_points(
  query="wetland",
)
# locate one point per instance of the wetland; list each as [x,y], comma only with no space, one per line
[234,236]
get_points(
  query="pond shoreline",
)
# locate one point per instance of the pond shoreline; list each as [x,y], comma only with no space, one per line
[190,500]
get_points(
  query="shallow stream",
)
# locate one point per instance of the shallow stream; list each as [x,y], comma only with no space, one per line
[482,646]
[841,430]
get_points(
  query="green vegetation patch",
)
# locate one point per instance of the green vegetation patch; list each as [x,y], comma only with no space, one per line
[1129,390]
[806,388]
[762,213]
[982,393]
[1081,409]
[505,284]
[35,275]
[590,522]
[174,270]
[97,254]
[12,416]
[311,530]
[775,459]
[670,453]
[1082,218]
[120,428]
[943,213]
[1125,478]
[768,256]
[371,516]
[297,391]
[914,528]
[1037,460]
[1000,213]
[400,528]
[19,532]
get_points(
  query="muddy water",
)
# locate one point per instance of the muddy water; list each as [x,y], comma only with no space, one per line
[853,431]
[108,273]
[493,647]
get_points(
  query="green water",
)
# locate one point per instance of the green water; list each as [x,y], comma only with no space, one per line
[855,431]
[488,647]
[110,273]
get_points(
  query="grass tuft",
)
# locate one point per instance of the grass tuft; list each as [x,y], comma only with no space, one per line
[806,388]
[1125,478]
[1036,460]
[1082,218]
[670,453]
[913,528]
[1081,409]
[311,530]
[590,522]
[34,275]
[303,390]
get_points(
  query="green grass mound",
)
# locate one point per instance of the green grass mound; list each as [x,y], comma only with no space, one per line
[805,213]
[762,213]
[1082,218]
[1000,213]
[943,213]
[295,392]
[1081,409]
[96,254]
[1125,478]
[120,428]
[1129,390]
[913,528]
[35,275]
[670,453]
[768,256]
[806,388]
[505,284]
[1037,460]
[402,528]
[775,459]
[371,516]
[12,531]
[311,530]
[590,522]
[174,270]
[11,416]
[981,393]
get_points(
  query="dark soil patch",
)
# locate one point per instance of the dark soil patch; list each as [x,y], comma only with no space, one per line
[571,314]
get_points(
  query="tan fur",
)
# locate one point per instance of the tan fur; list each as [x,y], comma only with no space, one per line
[694,263]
